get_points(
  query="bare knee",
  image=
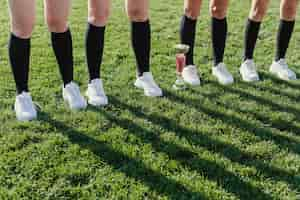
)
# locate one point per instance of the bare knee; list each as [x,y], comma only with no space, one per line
[258,13]
[56,24]
[288,11]
[218,12]
[98,18]
[22,29]
[137,15]
[192,12]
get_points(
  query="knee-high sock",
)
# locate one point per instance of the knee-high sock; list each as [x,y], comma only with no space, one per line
[141,43]
[19,57]
[63,49]
[94,45]
[187,36]
[251,35]
[284,35]
[219,35]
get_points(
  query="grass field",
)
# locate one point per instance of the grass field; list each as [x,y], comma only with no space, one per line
[210,142]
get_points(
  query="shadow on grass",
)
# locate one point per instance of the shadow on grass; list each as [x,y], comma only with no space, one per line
[279,124]
[215,172]
[202,139]
[260,87]
[291,84]
[117,160]
[234,121]
[261,100]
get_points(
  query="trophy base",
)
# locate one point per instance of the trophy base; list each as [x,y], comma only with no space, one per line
[179,85]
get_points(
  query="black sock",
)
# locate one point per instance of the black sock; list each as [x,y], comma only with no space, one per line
[141,43]
[63,49]
[283,38]
[251,34]
[19,57]
[94,45]
[219,35]
[187,36]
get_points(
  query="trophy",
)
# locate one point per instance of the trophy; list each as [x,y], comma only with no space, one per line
[181,51]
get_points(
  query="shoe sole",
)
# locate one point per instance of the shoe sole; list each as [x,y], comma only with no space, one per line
[75,109]
[95,104]
[151,95]
[250,81]
[229,83]
[26,120]
[21,119]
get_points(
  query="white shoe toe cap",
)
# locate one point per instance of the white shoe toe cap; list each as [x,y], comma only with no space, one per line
[193,82]
[78,105]
[26,116]
[154,92]
[226,81]
[98,101]
[251,78]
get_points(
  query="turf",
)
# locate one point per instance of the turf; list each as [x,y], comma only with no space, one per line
[209,142]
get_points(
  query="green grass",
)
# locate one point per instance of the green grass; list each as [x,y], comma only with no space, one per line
[210,142]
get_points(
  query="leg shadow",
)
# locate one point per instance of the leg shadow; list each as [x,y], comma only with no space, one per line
[231,152]
[291,84]
[271,89]
[117,160]
[261,132]
[213,171]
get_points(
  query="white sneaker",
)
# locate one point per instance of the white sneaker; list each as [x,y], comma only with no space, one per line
[147,83]
[95,93]
[222,74]
[24,107]
[190,75]
[72,96]
[248,71]
[282,71]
